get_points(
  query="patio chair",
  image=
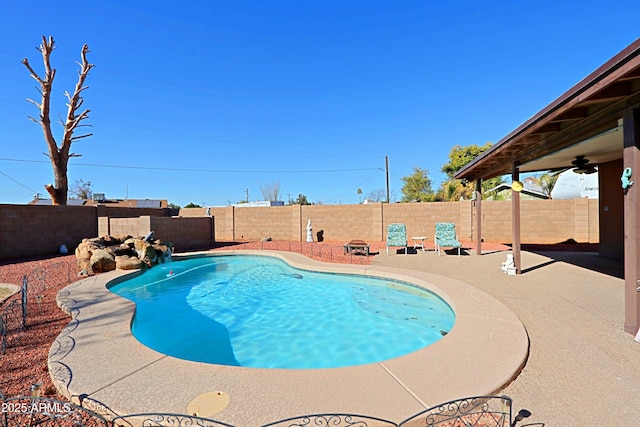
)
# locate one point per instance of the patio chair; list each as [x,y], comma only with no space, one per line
[446,237]
[397,236]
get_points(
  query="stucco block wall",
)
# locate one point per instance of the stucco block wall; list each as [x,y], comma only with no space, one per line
[342,223]
[194,212]
[105,212]
[421,218]
[119,227]
[28,231]
[496,221]
[277,222]
[183,233]
[556,222]
[223,223]
[542,221]
[126,212]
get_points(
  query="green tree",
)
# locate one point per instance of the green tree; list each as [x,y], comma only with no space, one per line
[192,205]
[301,200]
[417,186]
[458,157]
[452,190]
[547,181]
[174,206]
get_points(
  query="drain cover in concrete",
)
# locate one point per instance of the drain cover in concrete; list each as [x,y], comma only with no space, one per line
[208,404]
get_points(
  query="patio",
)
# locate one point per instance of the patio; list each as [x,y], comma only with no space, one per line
[571,305]
[583,369]
[134,378]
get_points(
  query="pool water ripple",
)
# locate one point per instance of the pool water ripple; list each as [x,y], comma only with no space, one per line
[258,311]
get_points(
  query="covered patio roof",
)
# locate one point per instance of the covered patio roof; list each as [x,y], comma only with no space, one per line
[599,120]
[585,120]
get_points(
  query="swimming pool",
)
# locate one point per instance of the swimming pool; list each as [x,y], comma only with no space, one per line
[257,311]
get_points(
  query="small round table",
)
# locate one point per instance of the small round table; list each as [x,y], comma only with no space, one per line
[418,242]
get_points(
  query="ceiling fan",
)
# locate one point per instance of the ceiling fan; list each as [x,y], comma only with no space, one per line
[582,166]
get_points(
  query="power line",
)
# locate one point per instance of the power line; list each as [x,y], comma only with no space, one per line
[357,186]
[270,146]
[195,170]
[19,183]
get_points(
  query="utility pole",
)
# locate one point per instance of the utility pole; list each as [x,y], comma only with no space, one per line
[247,191]
[386,161]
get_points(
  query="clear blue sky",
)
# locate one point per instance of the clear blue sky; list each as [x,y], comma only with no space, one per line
[200,101]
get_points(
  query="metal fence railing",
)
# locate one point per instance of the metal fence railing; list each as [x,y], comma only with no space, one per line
[478,411]
[329,252]
[15,311]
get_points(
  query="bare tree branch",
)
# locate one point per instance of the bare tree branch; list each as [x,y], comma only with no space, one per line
[75,102]
[33,73]
[34,103]
[80,137]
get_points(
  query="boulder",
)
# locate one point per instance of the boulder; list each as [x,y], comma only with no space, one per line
[123,238]
[83,256]
[123,249]
[102,254]
[145,252]
[102,261]
[126,262]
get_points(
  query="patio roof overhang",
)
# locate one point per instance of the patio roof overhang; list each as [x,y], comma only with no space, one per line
[585,120]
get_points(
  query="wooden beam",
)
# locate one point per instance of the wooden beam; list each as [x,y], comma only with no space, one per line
[479,217]
[572,114]
[551,127]
[631,159]
[515,221]
[611,93]
[632,75]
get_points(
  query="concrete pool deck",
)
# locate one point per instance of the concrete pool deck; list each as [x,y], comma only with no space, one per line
[97,357]
[583,369]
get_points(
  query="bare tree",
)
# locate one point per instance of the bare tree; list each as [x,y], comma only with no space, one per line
[270,191]
[59,155]
[82,189]
[377,195]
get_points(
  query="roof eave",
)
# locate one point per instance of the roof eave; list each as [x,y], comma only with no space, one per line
[623,62]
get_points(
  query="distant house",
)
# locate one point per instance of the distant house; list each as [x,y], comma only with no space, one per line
[530,191]
[99,199]
[260,203]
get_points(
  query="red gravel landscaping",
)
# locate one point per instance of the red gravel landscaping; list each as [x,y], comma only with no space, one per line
[25,361]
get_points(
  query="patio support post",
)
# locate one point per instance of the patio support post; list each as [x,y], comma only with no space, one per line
[515,220]
[478,198]
[631,159]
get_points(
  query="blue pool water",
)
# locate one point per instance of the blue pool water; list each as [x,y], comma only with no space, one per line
[258,311]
